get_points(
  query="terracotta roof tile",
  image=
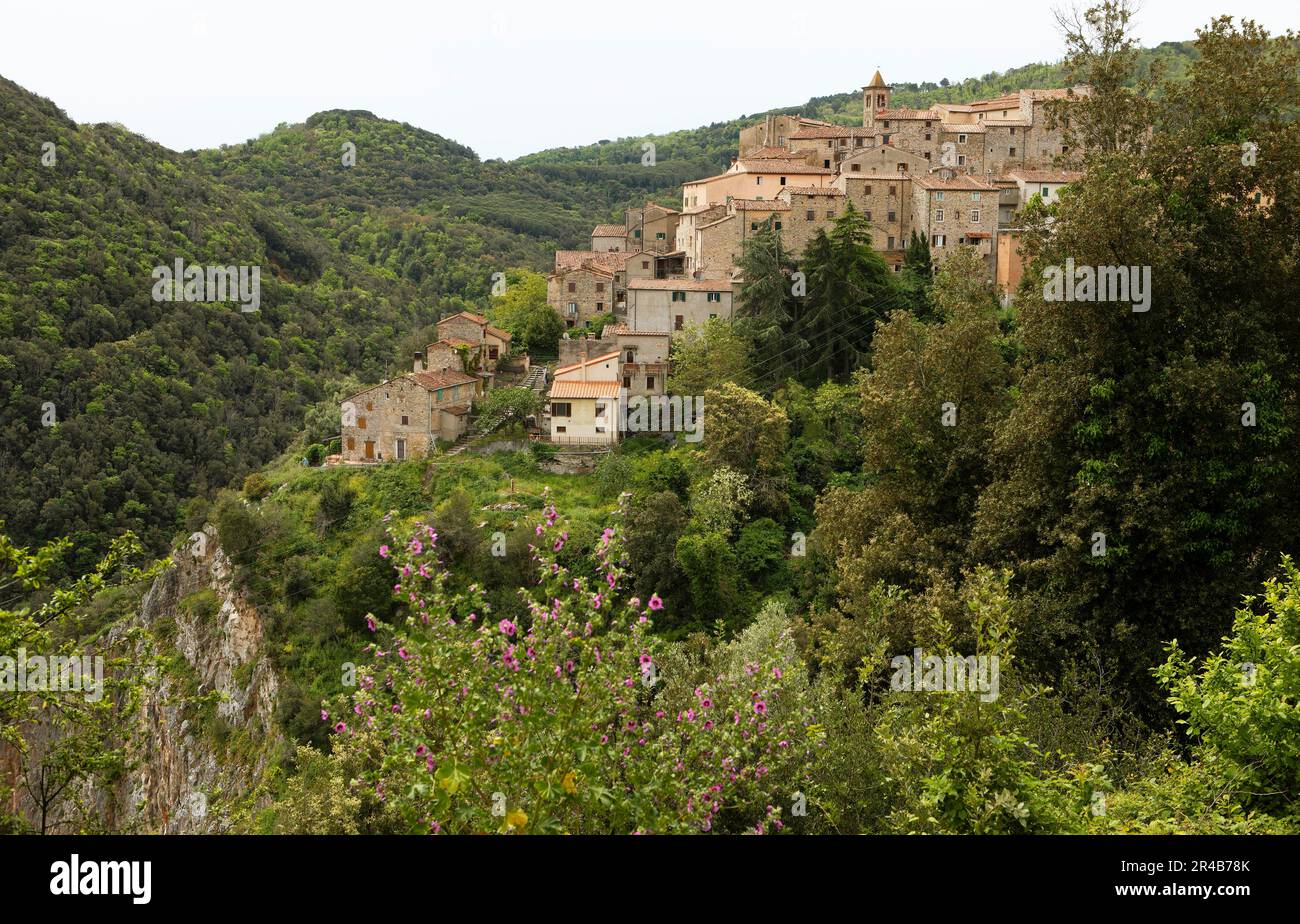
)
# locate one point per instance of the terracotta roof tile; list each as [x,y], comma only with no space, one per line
[682,285]
[609,231]
[583,390]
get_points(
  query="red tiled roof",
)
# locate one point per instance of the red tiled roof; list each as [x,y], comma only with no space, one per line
[776,165]
[932,114]
[583,390]
[1046,176]
[476,318]
[813,191]
[956,183]
[760,205]
[609,231]
[693,285]
[587,362]
[443,378]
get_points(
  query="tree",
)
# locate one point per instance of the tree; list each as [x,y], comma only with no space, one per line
[766,306]
[849,288]
[706,355]
[522,310]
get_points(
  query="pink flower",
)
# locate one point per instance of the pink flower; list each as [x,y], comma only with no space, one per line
[655,602]
[506,626]
[370,622]
[324,716]
[383,551]
[760,707]
[341,727]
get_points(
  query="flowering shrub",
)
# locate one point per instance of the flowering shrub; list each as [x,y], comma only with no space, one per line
[561,722]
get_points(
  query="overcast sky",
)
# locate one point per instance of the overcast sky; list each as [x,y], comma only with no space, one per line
[508,77]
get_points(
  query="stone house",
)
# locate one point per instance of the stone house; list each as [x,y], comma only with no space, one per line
[472,332]
[955,210]
[584,398]
[757,178]
[609,238]
[651,227]
[401,418]
[672,304]
[584,284]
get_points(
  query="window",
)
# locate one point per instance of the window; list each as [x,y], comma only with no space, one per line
[938,214]
[893,190]
[370,405]
[401,449]
[927,136]
[600,410]
[927,125]
[811,215]
[637,233]
[867,214]
[661,235]
[715,296]
[830,213]
[679,296]
[561,409]
[600,307]
[974,197]
[753,226]
[568,323]
[939,196]
[645,264]
[573,287]
[600,287]
[975,216]
[631,357]
[627,381]
[886,123]
[782,181]
[776,225]
[855,168]
[573,307]
[352,444]
[826,163]
[893,216]
[678,322]
[890,244]
[927,155]
[650,381]
[1047,191]
[880,99]
[1011,152]
[406,421]
[758,181]
[897,267]
[868,189]
[937,240]
[961,160]
[493,352]
[361,423]
[712,315]
[961,139]
[902,167]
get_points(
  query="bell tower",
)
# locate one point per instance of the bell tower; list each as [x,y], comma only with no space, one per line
[875,96]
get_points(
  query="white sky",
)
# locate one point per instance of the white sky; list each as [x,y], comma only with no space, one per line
[508,77]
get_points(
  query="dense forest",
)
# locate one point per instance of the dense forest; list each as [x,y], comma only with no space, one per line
[695,637]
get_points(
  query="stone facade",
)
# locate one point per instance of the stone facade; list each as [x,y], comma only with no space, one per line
[580,294]
[401,418]
[672,304]
[956,211]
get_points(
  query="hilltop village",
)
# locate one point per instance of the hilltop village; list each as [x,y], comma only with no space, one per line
[953,175]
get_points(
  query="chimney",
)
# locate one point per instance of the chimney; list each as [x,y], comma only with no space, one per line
[419,365]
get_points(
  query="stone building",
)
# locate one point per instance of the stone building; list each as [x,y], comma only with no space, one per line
[402,418]
[609,238]
[651,227]
[672,304]
[757,178]
[954,211]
